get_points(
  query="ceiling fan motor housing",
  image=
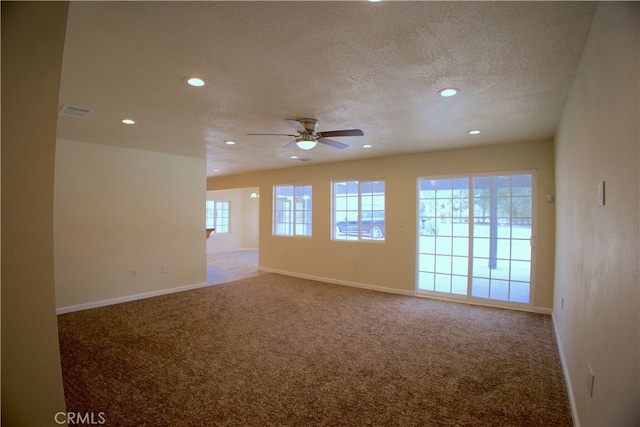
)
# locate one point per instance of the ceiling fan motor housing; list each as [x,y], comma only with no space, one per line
[310,125]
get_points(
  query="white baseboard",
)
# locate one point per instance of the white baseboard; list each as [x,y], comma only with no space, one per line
[567,379]
[102,303]
[543,310]
[540,310]
[225,251]
[339,282]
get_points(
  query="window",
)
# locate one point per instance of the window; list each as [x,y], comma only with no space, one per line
[474,236]
[217,215]
[292,210]
[358,210]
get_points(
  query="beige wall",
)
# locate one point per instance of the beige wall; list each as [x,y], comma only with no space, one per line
[118,210]
[243,221]
[391,265]
[32,44]
[597,254]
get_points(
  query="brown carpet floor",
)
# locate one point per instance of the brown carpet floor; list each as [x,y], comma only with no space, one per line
[280,351]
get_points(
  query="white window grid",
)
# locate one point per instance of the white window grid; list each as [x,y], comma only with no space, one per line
[217,215]
[361,205]
[455,258]
[292,210]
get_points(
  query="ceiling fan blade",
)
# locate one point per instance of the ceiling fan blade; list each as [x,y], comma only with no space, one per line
[332,143]
[291,143]
[275,134]
[296,125]
[345,132]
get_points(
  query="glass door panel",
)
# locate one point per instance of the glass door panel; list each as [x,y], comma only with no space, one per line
[443,241]
[474,236]
[501,237]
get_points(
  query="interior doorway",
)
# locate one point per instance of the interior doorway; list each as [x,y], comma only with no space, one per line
[233,221]
[223,267]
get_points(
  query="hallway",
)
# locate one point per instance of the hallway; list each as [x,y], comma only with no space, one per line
[225,267]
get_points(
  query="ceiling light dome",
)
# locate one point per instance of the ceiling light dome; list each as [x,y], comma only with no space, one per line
[195,81]
[447,92]
[306,142]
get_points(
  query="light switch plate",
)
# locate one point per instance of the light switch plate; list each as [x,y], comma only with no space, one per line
[601,193]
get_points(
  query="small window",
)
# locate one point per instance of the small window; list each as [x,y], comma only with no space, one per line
[292,210]
[217,215]
[358,210]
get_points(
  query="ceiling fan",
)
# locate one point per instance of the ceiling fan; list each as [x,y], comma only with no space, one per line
[308,136]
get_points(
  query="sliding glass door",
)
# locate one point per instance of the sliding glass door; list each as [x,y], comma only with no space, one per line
[474,236]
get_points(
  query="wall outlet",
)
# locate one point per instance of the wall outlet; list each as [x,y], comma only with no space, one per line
[590,381]
[164,269]
[134,273]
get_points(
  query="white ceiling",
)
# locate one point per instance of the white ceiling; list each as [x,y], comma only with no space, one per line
[372,66]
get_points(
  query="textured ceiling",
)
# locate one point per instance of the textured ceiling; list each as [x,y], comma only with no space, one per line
[372,66]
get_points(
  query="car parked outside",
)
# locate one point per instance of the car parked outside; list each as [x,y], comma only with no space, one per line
[371,224]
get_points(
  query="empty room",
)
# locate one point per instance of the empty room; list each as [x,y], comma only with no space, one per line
[320,213]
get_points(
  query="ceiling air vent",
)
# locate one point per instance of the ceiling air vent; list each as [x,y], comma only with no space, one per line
[74,111]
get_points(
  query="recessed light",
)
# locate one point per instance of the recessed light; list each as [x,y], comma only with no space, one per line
[367,146]
[473,132]
[230,142]
[447,92]
[128,121]
[195,81]
[293,157]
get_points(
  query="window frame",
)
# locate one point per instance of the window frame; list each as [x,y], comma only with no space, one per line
[219,221]
[351,204]
[298,217]
[473,254]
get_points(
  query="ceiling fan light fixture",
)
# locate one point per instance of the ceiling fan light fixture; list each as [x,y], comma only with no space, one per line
[306,142]
[448,92]
[195,81]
